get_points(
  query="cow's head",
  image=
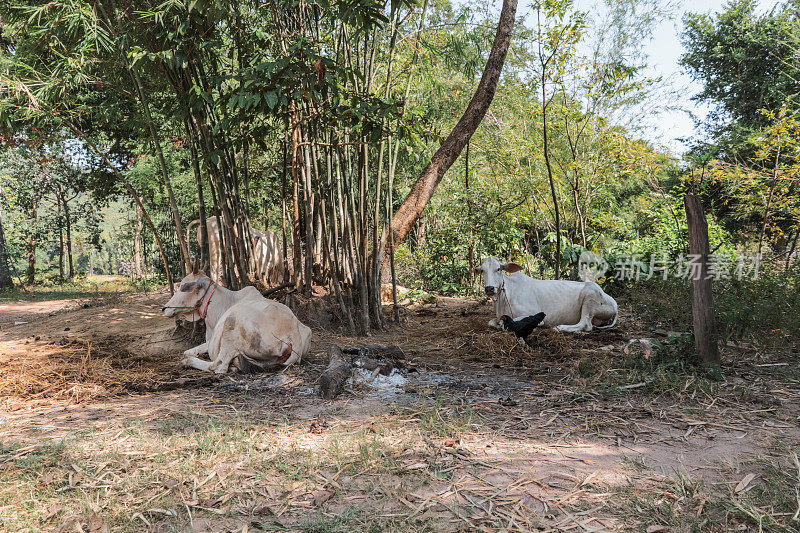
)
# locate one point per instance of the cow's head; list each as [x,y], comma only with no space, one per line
[492,271]
[186,302]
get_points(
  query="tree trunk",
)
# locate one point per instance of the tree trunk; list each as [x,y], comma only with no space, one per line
[423,189]
[764,223]
[30,275]
[149,221]
[471,249]
[143,100]
[145,104]
[296,222]
[60,242]
[176,217]
[69,238]
[5,269]
[205,256]
[578,212]
[769,200]
[137,245]
[286,276]
[791,250]
[422,232]
[88,142]
[308,216]
[546,149]
[705,330]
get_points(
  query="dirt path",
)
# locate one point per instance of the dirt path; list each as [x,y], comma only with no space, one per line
[27,311]
[481,433]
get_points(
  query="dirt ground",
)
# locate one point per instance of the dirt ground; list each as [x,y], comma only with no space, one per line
[26,311]
[101,430]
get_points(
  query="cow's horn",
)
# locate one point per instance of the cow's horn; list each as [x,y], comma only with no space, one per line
[194,267]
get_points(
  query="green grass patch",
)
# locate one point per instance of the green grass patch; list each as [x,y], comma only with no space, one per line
[671,367]
[93,287]
[763,310]
[446,420]
[363,520]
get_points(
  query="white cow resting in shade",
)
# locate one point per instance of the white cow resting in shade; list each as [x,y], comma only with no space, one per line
[572,306]
[243,328]
[267,252]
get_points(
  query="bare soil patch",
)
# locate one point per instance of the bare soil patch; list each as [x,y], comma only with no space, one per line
[486,432]
[91,351]
[26,311]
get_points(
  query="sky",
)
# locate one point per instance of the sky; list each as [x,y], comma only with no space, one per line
[665,50]
[674,129]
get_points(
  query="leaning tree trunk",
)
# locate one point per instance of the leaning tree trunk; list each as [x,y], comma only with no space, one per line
[423,189]
[176,217]
[112,23]
[150,224]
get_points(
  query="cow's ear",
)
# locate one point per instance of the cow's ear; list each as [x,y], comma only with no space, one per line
[511,267]
[477,270]
[188,286]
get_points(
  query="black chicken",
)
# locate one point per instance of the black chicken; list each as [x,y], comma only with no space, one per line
[522,327]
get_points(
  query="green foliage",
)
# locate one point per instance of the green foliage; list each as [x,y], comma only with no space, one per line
[442,261]
[746,62]
[763,309]
[748,65]
[50,287]
[668,235]
[750,310]
[241,72]
[500,202]
[46,194]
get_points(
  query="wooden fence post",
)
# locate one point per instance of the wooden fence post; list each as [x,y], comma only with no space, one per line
[705,328]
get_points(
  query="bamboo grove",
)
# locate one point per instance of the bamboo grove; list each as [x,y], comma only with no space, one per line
[323,82]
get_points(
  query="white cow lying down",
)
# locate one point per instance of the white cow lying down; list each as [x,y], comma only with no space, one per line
[573,306]
[242,327]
